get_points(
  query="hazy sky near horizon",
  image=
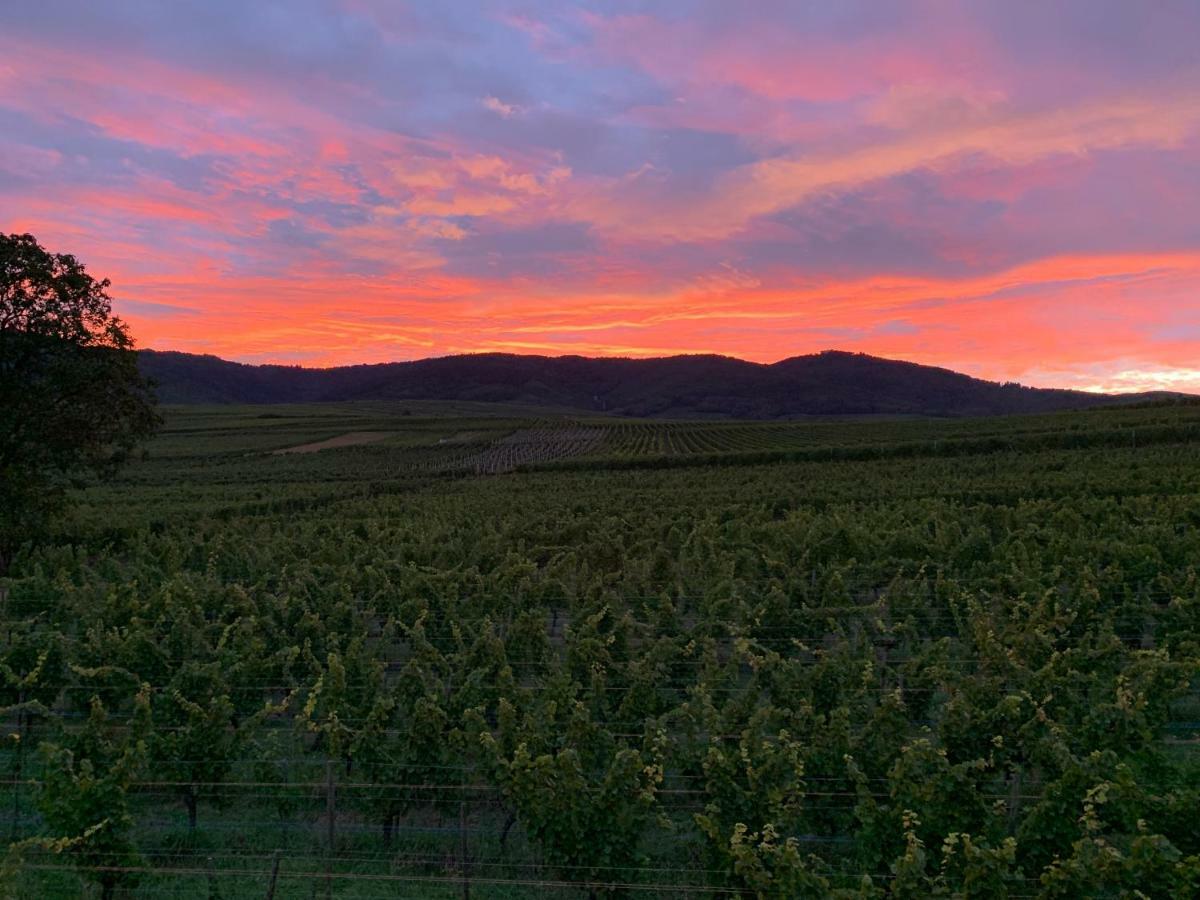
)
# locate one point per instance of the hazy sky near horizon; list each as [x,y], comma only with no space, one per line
[1010,189]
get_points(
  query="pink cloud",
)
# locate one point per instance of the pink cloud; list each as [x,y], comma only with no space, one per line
[777,62]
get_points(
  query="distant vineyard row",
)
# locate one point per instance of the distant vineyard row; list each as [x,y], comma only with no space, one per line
[401,446]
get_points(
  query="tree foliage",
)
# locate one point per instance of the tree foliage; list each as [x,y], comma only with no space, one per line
[72,401]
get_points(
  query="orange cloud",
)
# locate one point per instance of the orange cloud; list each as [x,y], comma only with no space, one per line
[392,317]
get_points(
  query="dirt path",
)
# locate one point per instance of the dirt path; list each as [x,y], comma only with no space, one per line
[342,440]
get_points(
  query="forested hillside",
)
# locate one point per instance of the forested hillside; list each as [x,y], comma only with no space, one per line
[829,383]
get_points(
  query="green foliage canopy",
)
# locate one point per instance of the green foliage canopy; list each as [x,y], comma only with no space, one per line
[72,401]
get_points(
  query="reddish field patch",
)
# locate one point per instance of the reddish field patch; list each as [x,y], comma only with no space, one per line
[342,440]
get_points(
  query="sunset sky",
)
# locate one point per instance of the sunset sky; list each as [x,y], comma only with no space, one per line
[1010,189]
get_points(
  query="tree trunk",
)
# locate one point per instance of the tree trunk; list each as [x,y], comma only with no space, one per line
[1014,801]
[20,767]
[389,827]
[214,892]
[462,850]
[331,823]
[508,824]
[274,875]
[189,800]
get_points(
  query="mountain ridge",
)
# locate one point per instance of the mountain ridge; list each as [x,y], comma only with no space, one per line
[832,382]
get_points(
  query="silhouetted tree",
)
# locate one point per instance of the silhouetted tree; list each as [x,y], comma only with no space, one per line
[72,402]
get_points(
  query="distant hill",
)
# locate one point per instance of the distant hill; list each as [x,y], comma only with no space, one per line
[829,383]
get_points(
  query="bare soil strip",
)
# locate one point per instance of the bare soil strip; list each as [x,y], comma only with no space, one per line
[342,440]
[463,437]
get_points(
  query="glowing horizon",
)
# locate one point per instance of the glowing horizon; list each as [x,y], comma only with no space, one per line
[1007,190]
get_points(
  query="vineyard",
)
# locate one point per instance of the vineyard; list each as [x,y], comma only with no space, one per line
[495,653]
